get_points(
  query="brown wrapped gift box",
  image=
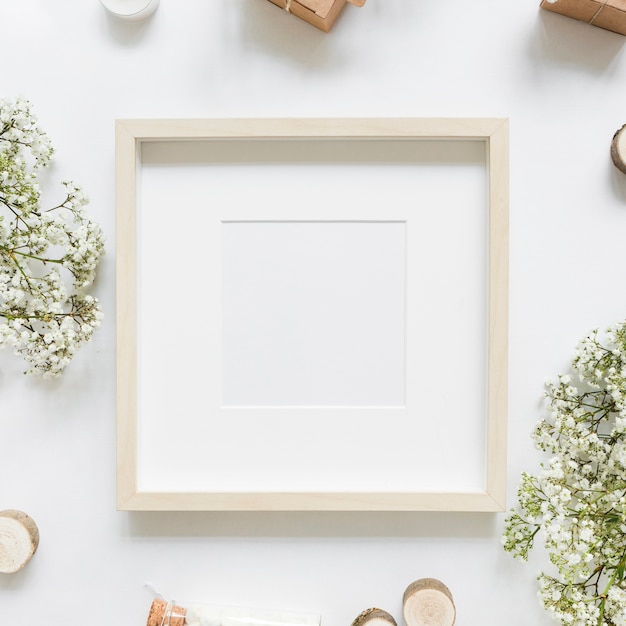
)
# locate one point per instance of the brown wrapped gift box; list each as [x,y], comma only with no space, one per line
[607,14]
[320,13]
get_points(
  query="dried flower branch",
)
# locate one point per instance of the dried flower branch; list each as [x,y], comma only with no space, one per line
[42,317]
[577,502]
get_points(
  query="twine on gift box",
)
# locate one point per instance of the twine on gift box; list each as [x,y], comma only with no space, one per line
[598,11]
[288,5]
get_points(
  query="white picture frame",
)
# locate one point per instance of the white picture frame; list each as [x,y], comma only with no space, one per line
[160,420]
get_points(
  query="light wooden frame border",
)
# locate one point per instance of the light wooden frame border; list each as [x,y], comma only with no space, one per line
[130,134]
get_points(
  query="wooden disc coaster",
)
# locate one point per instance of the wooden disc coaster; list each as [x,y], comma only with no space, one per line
[374,617]
[428,602]
[19,538]
[618,149]
[164,614]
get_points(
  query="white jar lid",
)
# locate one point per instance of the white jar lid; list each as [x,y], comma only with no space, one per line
[131,10]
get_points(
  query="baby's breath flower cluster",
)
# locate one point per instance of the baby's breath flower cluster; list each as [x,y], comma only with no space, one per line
[577,502]
[47,256]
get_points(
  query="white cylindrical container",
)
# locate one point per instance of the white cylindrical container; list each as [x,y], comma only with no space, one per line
[163,613]
[130,10]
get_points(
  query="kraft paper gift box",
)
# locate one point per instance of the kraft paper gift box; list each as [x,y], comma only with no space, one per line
[607,14]
[320,13]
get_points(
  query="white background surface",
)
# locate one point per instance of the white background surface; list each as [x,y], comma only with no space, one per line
[563,86]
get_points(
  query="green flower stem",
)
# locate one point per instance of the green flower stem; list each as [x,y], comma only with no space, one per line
[18,217]
[43,317]
[22,272]
[12,251]
[617,573]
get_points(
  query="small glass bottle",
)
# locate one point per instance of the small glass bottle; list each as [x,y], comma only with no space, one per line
[164,613]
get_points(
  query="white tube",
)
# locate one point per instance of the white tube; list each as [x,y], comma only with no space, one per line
[203,615]
[165,613]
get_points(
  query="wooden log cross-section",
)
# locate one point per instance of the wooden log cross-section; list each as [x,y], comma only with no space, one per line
[428,602]
[374,617]
[618,149]
[19,538]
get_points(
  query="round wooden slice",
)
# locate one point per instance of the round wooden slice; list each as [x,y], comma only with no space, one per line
[164,614]
[19,538]
[428,602]
[618,149]
[374,617]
